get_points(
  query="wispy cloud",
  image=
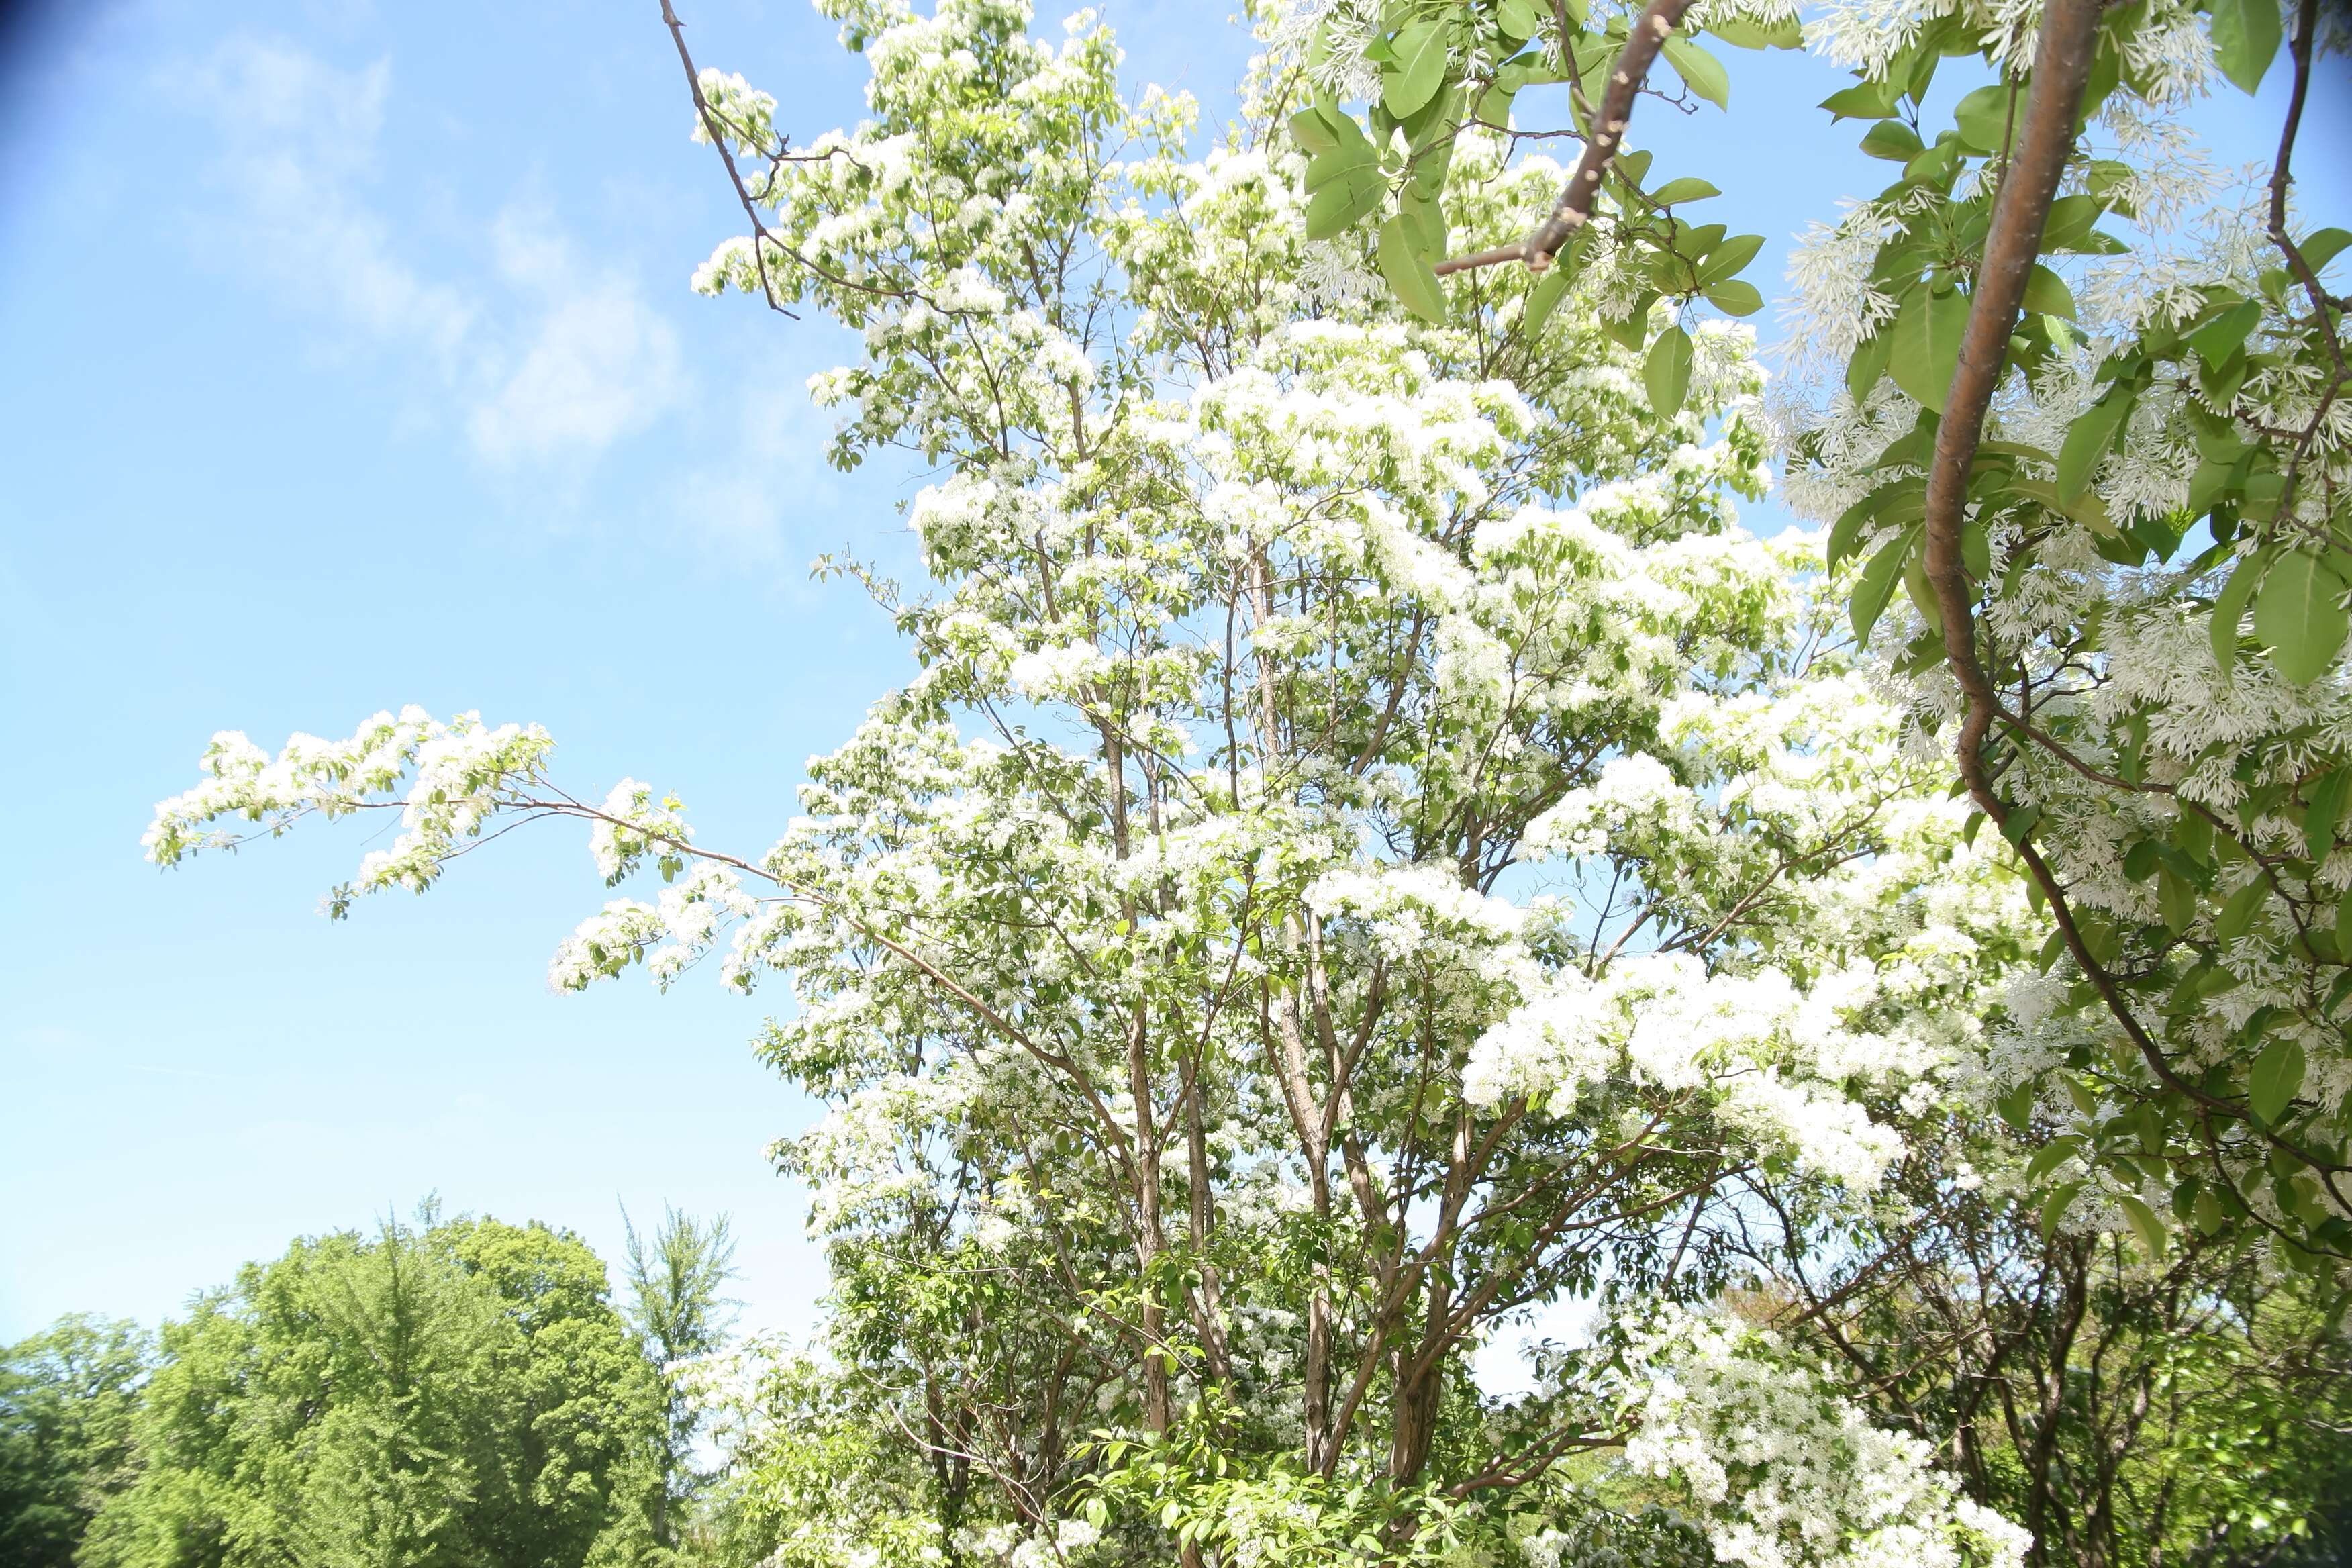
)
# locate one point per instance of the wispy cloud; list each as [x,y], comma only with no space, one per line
[753,504]
[597,363]
[298,141]
[549,359]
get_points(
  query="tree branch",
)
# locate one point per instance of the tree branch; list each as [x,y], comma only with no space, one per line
[1573,210]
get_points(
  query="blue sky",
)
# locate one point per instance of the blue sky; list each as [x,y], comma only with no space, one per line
[347,360]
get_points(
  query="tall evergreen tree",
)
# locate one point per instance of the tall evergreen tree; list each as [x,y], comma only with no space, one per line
[675,1280]
[454,1394]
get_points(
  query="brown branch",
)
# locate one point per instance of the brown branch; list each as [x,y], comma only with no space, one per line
[2061,67]
[762,237]
[2299,50]
[1573,210]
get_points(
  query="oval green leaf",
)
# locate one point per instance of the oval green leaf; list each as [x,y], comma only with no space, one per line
[1877,585]
[2245,39]
[1409,277]
[1419,69]
[1334,209]
[1701,71]
[1666,372]
[1735,297]
[2276,1076]
[2300,615]
[1984,118]
[1925,345]
[2088,440]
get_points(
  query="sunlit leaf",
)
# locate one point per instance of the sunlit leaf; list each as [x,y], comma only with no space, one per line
[1926,345]
[1666,372]
[1410,276]
[2299,613]
[2245,38]
[1986,117]
[1701,71]
[1419,69]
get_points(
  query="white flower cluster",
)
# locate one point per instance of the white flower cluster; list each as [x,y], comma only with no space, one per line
[1789,1473]
[1746,1043]
[458,774]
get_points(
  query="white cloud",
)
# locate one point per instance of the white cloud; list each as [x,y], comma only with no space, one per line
[551,361]
[774,477]
[598,362]
[298,136]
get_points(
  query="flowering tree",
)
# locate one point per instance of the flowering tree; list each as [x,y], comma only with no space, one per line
[1372,845]
[2084,462]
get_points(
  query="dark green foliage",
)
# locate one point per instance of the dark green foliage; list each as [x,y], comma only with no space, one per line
[459,1394]
[67,1398]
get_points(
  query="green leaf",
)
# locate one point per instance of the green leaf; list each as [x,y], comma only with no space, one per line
[2176,896]
[2049,1157]
[1419,71]
[1864,100]
[1425,218]
[2054,1208]
[1735,297]
[1334,209]
[1701,71]
[1685,189]
[1869,364]
[1746,33]
[1494,106]
[2145,1224]
[1984,117]
[2277,1074]
[1877,585]
[1666,372]
[2230,605]
[2238,913]
[2326,810]
[2245,38]
[2016,1107]
[1976,549]
[1521,19]
[2323,247]
[1542,297]
[1409,277]
[2068,227]
[2299,614]
[2046,294]
[1729,258]
[1926,345]
[2225,334]
[1336,168]
[1846,532]
[1314,134]
[1893,141]
[2088,440]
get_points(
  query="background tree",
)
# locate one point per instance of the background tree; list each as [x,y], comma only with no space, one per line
[2190,1409]
[69,1396]
[675,1307]
[457,1393]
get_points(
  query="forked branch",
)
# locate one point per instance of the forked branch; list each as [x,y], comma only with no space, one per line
[1573,210]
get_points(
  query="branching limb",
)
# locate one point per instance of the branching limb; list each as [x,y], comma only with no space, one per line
[1573,210]
[763,239]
